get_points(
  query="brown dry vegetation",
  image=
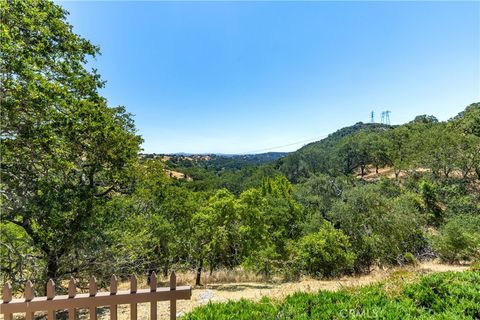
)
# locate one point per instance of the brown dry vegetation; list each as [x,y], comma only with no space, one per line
[177,175]
[387,172]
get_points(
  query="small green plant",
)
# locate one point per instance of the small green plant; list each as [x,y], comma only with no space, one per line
[475,266]
[409,259]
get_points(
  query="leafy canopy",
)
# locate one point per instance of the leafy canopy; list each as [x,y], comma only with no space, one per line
[64,151]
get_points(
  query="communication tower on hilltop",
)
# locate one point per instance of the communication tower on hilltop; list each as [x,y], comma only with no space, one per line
[372,117]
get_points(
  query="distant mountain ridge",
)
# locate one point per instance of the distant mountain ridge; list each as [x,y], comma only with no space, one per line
[267,156]
[217,161]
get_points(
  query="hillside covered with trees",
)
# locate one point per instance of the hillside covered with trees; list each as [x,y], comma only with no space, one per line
[76,198]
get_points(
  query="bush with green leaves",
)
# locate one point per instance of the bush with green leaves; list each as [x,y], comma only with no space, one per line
[459,239]
[325,253]
[381,229]
[457,198]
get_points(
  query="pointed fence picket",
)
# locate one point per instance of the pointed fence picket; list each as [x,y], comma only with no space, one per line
[93,299]
[133,290]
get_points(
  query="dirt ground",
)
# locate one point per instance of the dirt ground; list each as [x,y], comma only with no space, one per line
[256,290]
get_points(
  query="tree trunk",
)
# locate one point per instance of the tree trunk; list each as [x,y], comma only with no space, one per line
[266,271]
[475,171]
[52,267]
[447,173]
[397,173]
[52,270]
[199,273]
[153,268]
[165,269]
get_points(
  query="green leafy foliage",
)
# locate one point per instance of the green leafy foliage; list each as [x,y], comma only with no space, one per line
[325,253]
[64,152]
[459,239]
[324,156]
[468,121]
[380,229]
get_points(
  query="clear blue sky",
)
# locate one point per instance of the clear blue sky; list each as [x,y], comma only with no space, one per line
[236,77]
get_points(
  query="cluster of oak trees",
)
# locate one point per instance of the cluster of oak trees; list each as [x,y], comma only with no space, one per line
[76,199]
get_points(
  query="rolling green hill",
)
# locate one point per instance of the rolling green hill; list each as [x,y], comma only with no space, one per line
[320,156]
[422,143]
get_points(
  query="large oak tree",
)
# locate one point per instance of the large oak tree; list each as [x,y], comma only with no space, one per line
[64,152]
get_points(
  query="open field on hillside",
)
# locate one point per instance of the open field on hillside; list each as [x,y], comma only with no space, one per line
[177,175]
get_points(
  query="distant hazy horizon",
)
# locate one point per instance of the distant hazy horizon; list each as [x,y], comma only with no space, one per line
[247,77]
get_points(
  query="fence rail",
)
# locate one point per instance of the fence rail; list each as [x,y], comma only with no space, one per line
[93,299]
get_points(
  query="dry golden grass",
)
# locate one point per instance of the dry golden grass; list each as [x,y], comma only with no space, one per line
[177,175]
[397,279]
[386,172]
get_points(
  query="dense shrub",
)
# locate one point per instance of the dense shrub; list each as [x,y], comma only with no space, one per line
[429,194]
[381,229]
[457,198]
[325,253]
[459,239]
